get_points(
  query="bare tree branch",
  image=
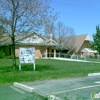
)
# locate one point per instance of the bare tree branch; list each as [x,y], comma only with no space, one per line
[64,36]
[24,16]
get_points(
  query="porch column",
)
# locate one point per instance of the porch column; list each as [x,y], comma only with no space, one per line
[46,53]
[54,52]
[50,53]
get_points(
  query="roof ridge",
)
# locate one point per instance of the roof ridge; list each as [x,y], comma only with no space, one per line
[26,35]
[81,34]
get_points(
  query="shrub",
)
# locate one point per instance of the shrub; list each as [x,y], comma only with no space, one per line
[2,54]
[8,57]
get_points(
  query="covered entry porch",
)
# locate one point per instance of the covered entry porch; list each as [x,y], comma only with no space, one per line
[49,52]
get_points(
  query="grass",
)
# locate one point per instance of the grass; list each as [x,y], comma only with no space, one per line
[46,69]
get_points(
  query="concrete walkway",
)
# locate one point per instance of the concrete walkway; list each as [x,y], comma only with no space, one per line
[69,59]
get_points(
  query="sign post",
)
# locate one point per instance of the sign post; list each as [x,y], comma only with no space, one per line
[27,55]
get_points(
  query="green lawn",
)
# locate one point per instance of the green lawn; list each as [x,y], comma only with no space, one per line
[45,69]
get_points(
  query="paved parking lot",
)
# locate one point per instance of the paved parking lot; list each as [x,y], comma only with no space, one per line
[66,89]
[9,92]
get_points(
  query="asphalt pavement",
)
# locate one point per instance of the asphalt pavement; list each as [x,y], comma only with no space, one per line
[79,88]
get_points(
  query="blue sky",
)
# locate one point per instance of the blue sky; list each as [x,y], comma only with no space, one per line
[81,15]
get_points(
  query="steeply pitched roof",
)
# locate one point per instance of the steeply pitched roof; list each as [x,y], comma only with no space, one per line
[75,42]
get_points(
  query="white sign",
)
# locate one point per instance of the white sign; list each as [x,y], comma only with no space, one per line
[27,55]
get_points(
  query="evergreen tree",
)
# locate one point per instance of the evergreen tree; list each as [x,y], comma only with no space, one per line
[96,40]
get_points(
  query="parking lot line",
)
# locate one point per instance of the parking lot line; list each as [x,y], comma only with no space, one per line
[80,88]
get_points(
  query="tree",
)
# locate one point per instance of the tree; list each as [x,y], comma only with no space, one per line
[2,30]
[62,34]
[49,29]
[96,40]
[21,16]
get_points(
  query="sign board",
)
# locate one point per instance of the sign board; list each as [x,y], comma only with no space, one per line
[27,55]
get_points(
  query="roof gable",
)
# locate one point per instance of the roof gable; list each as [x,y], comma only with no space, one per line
[75,42]
[31,38]
[51,41]
[79,40]
[35,39]
[87,38]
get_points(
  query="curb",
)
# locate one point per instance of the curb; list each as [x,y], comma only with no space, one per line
[23,87]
